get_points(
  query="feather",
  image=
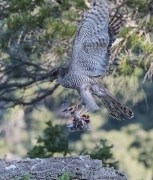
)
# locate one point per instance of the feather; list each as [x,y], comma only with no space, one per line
[88,100]
[89,55]
[113,106]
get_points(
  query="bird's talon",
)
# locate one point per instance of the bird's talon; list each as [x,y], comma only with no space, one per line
[84,113]
[70,109]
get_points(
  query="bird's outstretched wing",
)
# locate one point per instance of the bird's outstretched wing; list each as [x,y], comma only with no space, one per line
[93,40]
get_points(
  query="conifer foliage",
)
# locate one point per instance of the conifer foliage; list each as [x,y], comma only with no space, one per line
[37,35]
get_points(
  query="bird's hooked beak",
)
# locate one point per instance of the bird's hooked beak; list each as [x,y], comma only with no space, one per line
[54,74]
[52,78]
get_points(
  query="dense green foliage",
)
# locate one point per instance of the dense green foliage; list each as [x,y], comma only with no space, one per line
[52,142]
[103,152]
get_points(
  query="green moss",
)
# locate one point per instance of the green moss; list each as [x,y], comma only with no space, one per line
[24,177]
[65,176]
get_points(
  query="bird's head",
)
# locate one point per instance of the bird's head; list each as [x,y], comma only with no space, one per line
[54,73]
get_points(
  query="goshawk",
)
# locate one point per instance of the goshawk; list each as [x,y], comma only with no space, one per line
[90,59]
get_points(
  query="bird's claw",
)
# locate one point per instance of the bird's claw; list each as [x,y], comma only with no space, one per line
[80,121]
[70,109]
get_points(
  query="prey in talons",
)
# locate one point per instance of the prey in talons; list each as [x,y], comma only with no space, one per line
[80,121]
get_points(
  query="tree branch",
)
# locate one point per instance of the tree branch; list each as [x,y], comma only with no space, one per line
[33,101]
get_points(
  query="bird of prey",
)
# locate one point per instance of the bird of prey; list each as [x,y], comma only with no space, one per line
[90,59]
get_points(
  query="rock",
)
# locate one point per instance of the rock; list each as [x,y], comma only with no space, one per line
[79,167]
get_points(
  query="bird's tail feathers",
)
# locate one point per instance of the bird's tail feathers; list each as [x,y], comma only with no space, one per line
[115,108]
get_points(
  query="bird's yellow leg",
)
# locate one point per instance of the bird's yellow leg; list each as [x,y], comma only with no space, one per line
[72,107]
[83,113]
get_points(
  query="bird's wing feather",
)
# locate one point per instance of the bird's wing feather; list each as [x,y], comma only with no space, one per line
[91,41]
[114,26]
